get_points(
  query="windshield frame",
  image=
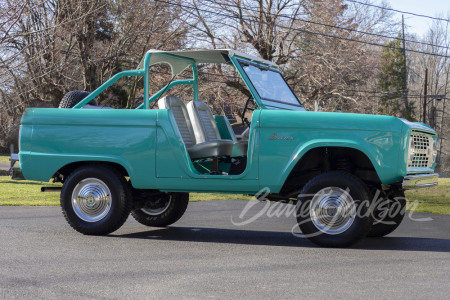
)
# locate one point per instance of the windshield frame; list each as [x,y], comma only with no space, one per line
[242,63]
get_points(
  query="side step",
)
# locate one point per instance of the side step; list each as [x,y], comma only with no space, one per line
[50,189]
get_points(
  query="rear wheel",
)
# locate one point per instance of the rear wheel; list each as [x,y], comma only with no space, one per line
[95,200]
[162,209]
[333,209]
[388,214]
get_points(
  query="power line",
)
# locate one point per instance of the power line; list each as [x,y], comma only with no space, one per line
[348,90]
[302,30]
[233,77]
[299,85]
[375,93]
[307,86]
[399,11]
[337,27]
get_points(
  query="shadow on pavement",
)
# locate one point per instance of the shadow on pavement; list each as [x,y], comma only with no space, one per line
[274,238]
[220,235]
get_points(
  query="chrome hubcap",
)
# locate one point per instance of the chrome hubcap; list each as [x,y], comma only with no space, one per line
[91,200]
[332,210]
[161,206]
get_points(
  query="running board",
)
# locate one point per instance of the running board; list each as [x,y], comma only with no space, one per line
[51,189]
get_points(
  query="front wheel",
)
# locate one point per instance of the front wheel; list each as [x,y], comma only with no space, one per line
[162,209]
[95,200]
[333,209]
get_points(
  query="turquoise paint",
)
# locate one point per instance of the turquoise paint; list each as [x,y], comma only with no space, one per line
[166,88]
[147,144]
[106,85]
[375,136]
[53,138]
[223,127]
[146,79]
[193,81]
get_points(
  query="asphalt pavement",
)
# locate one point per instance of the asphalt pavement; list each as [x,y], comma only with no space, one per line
[205,255]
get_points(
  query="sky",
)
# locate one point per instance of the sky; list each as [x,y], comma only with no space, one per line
[431,8]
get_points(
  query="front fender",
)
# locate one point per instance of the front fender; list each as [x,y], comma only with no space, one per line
[382,155]
[379,147]
[304,148]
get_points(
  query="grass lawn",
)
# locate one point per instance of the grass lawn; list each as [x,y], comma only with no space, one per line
[4,158]
[12,192]
[24,192]
[435,199]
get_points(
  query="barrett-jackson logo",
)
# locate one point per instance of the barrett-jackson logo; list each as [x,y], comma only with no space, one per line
[277,137]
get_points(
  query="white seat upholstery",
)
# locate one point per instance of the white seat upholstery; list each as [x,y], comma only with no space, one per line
[197,148]
[205,127]
[181,116]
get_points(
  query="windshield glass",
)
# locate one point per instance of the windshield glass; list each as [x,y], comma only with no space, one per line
[271,87]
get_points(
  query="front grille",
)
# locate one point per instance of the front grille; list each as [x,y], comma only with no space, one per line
[423,152]
[420,160]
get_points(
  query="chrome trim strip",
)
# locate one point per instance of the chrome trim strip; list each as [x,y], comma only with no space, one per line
[420,181]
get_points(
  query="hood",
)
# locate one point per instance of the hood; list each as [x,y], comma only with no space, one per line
[418,126]
[340,121]
[329,120]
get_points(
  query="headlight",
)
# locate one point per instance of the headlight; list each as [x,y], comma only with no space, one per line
[434,150]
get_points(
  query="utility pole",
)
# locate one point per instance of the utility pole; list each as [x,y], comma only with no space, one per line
[425,86]
[405,79]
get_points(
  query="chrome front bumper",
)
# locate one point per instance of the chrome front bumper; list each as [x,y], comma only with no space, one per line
[420,181]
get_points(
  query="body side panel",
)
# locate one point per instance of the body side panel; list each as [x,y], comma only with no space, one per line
[54,138]
[287,135]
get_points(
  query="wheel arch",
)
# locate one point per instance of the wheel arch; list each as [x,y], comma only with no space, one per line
[64,171]
[318,158]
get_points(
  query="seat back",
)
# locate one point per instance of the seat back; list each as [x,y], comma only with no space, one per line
[205,128]
[181,116]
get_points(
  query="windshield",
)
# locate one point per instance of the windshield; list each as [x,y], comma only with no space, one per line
[271,87]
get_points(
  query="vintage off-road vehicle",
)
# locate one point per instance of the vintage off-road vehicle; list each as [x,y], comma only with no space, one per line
[146,161]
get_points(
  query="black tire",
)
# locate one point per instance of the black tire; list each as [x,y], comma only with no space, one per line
[333,209]
[73,97]
[93,214]
[162,210]
[388,213]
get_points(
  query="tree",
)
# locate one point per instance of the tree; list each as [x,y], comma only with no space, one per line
[51,47]
[310,40]
[391,81]
[248,26]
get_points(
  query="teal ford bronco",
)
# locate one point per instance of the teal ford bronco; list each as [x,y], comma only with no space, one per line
[346,172]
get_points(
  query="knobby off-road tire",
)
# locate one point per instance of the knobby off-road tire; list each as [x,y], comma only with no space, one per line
[162,210]
[73,97]
[95,200]
[333,209]
[388,214]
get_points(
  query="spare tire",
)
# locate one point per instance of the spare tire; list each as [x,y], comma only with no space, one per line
[73,97]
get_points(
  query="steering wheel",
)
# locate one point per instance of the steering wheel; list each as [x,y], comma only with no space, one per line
[250,105]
